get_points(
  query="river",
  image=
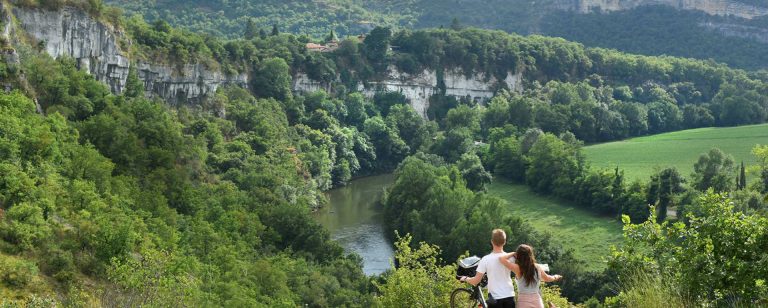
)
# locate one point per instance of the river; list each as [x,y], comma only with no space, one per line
[354,218]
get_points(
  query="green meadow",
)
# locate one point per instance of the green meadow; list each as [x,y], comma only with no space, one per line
[589,235]
[640,157]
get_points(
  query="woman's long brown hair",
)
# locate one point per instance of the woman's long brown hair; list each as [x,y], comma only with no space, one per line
[527,262]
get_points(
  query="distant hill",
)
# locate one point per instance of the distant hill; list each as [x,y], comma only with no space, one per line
[728,31]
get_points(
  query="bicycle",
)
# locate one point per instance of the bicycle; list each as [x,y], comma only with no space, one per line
[471,296]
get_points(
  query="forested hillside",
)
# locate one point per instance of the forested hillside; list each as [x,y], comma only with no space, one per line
[122,199]
[654,30]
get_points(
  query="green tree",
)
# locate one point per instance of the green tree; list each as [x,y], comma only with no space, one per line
[473,172]
[273,79]
[496,114]
[331,37]
[742,180]
[553,166]
[390,148]
[134,87]
[521,111]
[357,109]
[251,29]
[453,143]
[715,170]
[376,45]
[761,153]
[456,24]
[463,116]
[508,160]
[714,259]
[420,280]
[410,126]
[663,116]
[664,186]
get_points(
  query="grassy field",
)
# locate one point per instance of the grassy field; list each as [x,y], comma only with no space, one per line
[640,157]
[588,234]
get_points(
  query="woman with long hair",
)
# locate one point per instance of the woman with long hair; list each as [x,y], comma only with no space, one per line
[529,276]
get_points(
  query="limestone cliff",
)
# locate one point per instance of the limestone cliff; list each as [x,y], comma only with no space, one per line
[95,46]
[418,88]
[712,7]
[730,29]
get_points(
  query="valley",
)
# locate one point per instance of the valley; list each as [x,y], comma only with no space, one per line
[200,154]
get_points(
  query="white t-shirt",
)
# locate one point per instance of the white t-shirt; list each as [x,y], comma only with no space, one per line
[499,276]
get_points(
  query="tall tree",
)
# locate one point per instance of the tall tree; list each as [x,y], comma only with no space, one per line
[273,79]
[251,29]
[664,186]
[714,170]
[553,165]
[134,87]
[761,153]
[376,44]
[275,30]
[473,172]
[331,37]
[742,178]
[508,160]
[456,24]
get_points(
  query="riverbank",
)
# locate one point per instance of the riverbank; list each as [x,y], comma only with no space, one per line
[354,218]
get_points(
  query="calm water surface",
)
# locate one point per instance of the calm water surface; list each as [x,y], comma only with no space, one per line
[355,220]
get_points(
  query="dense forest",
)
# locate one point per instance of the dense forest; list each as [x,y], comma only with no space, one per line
[650,30]
[646,30]
[213,202]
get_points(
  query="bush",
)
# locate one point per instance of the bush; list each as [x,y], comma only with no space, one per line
[60,264]
[17,273]
[25,226]
[419,281]
[551,295]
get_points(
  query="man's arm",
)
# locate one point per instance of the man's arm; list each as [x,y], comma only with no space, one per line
[474,280]
[479,273]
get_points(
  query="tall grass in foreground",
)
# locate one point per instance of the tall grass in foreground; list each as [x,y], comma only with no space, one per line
[650,290]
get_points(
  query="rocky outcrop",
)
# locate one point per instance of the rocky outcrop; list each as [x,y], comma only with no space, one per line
[748,32]
[418,88]
[712,7]
[96,47]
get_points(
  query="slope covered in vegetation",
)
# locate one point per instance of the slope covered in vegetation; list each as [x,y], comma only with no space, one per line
[655,30]
[99,191]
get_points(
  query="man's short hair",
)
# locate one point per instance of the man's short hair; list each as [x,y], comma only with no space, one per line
[498,237]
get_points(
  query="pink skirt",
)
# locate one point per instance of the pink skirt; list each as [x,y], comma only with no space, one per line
[530,300]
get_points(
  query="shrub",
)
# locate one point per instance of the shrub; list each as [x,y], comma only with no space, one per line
[25,226]
[17,273]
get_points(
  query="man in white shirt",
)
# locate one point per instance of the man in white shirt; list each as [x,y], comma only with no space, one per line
[499,277]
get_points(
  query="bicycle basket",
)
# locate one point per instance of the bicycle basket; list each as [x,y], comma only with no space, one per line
[468,266]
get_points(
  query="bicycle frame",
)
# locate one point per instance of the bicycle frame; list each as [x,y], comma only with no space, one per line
[478,292]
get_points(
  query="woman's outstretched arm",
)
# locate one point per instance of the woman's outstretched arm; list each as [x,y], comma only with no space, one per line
[547,277]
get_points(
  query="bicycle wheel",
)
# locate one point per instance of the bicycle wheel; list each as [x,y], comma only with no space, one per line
[463,298]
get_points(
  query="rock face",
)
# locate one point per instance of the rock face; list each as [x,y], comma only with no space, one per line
[95,46]
[418,88]
[729,29]
[712,7]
